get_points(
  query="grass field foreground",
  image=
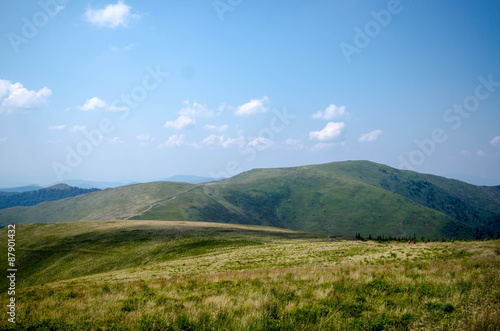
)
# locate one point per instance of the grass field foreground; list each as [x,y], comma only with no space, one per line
[207,276]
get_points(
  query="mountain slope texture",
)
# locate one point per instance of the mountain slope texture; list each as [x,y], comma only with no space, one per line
[341,198]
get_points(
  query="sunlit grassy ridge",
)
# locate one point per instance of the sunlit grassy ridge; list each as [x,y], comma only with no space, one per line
[340,198]
[208,276]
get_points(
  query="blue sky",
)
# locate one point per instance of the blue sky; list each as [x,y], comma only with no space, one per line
[144,90]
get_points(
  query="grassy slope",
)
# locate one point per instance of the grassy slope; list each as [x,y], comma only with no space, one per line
[147,275]
[307,200]
[335,198]
[121,202]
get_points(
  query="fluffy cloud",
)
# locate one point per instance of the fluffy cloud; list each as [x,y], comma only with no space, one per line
[57,127]
[370,136]
[181,122]
[174,141]
[253,107]
[111,16]
[495,141]
[93,104]
[222,140]
[332,131]
[14,97]
[331,112]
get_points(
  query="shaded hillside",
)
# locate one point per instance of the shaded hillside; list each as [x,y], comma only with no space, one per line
[31,198]
[342,198]
[305,200]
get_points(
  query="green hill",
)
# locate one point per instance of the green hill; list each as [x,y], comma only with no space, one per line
[341,198]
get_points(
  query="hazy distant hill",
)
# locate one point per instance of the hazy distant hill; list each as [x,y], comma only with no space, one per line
[31,198]
[190,179]
[342,198]
[20,189]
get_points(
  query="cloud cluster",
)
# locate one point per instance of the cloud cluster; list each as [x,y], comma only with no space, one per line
[111,16]
[15,97]
[222,140]
[331,112]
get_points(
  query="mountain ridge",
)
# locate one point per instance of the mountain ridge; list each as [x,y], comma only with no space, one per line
[340,198]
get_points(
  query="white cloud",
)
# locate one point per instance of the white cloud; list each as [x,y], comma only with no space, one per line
[77,128]
[195,109]
[57,127]
[116,140]
[222,140]
[187,115]
[253,107]
[93,104]
[294,143]
[4,139]
[116,109]
[127,48]
[481,154]
[331,131]
[174,141]
[495,141]
[220,128]
[180,122]
[370,136]
[14,97]
[261,143]
[111,16]
[331,112]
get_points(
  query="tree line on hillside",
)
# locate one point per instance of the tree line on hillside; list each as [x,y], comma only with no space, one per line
[32,198]
[382,238]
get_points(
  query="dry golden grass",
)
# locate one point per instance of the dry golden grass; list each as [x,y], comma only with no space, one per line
[283,283]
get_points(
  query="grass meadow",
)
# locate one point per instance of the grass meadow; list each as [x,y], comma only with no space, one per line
[206,276]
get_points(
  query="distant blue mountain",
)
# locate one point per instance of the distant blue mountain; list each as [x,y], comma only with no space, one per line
[21,189]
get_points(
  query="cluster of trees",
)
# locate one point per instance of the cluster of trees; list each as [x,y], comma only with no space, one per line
[414,238]
[32,198]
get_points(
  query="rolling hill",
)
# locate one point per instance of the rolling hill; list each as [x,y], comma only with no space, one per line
[341,198]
